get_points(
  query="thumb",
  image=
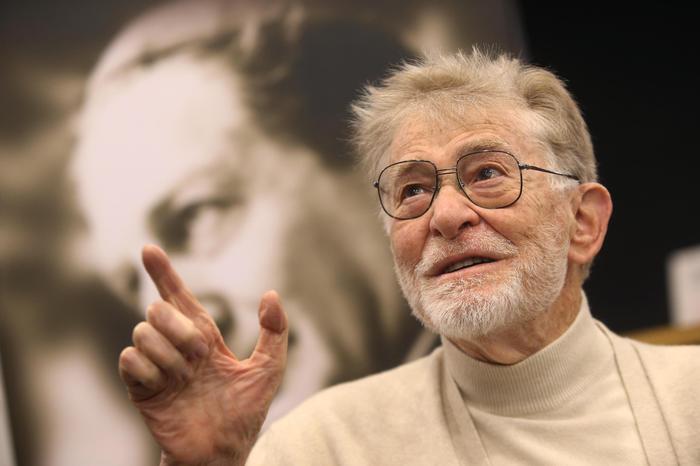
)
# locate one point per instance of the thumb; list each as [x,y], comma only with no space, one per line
[274,329]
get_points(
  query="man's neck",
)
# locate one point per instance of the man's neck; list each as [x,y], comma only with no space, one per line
[513,345]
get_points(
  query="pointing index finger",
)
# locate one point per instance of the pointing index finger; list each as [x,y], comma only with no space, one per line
[170,286]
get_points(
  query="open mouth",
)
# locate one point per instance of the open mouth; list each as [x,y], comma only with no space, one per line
[466,263]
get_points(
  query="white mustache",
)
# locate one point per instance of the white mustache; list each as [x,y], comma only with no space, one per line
[439,248]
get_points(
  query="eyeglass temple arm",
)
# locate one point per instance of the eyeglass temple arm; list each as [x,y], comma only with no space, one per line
[532,167]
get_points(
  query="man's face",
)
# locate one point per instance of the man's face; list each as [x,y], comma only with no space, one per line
[170,155]
[526,244]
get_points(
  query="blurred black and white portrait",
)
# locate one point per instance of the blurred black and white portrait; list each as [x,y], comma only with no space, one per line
[218,130]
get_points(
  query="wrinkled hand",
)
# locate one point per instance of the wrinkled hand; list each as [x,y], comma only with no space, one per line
[202,404]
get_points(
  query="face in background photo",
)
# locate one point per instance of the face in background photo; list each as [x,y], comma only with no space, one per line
[225,149]
[217,130]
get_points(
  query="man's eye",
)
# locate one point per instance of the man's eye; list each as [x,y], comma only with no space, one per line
[178,228]
[487,173]
[412,191]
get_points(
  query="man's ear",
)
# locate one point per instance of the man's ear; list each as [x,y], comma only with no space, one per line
[591,216]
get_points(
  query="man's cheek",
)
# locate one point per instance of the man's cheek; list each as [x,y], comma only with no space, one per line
[405,250]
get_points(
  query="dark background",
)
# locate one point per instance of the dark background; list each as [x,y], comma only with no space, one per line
[633,73]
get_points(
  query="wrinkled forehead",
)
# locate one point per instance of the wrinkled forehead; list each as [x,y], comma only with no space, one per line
[498,124]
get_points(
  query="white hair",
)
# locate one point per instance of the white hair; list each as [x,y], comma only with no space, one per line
[444,87]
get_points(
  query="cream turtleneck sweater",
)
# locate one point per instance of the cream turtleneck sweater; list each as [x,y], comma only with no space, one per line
[545,408]
[590,397]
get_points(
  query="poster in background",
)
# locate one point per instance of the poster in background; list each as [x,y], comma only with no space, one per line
[217,129]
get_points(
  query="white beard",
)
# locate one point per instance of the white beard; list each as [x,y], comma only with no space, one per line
[484,304]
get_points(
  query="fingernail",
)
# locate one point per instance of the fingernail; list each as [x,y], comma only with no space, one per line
[201,349]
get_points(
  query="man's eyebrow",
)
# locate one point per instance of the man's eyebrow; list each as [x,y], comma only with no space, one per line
[482,145]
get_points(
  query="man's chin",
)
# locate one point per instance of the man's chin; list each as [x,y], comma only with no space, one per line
[463,308]
[470,291]
[470,312]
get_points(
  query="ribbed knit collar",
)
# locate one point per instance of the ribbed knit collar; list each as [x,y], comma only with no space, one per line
[543,381]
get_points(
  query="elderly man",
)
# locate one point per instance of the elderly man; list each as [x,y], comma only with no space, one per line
[486,173]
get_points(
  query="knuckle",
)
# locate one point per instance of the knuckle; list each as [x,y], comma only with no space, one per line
[170,359]
[191,336]
[187,374]
[156,311]
[127,354]
[175,367]
[152,378]
[152,313]
[126,358]
[130,363]
[141,330]
[182,331]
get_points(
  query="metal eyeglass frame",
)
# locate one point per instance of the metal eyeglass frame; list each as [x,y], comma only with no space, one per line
[447,171]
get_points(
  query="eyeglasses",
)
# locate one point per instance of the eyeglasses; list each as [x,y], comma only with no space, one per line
[490,179]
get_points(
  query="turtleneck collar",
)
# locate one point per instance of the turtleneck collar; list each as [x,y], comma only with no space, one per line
[541,382]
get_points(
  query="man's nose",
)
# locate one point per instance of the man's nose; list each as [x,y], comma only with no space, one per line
[451,212]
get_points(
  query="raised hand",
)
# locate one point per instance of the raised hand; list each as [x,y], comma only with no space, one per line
[202,404]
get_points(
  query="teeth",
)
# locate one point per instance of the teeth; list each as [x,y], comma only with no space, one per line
[467,263]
